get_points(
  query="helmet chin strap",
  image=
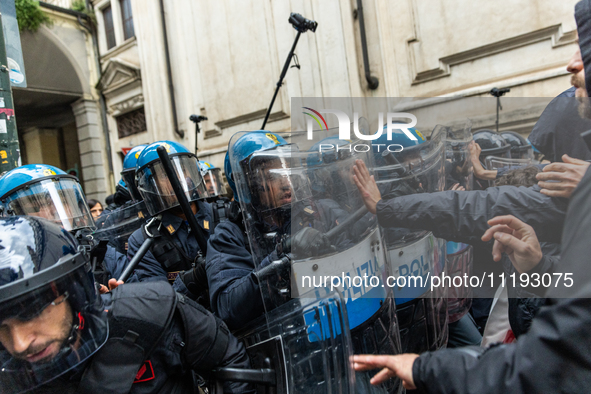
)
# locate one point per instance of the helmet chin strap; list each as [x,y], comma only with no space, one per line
[74,330]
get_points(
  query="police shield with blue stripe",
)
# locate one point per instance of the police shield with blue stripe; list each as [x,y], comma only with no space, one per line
[414,165]
[300,233]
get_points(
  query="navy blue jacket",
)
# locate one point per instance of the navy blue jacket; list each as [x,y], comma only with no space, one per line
[233,289]
[149,269]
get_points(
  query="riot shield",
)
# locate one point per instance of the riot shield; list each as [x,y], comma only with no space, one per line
[458,166]
[306,221]
[118,225]
[459,263]
[496,163]
[308,342]
[415,256]
[458,170]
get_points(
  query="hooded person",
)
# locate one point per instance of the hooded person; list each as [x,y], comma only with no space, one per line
[554,355]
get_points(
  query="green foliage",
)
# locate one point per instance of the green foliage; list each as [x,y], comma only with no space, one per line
[30,16]
[80,6]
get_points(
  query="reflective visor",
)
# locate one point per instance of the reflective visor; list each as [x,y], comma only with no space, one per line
[128,177]
[276,179]
[214,182]
[72,295]
[156,190]
[60,200]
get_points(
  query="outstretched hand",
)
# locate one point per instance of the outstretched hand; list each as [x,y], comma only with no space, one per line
[367,186]
[565,176]
[515,238]
[400,365]
[113,283]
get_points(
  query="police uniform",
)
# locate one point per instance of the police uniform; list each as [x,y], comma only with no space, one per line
[172,258]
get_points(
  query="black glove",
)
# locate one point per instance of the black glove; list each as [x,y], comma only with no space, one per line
[307,242]
[196,279]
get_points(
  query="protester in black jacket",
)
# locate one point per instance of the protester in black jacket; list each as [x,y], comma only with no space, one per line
[556,353]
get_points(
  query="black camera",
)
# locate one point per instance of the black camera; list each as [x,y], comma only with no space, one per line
[197,118]
[302,24]
[499,92]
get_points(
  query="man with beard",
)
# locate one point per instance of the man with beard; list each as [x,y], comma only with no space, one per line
[554,355]
[57,335]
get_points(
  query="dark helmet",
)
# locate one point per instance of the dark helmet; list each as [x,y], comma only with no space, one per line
[492,144]
[520,148]
[40,268]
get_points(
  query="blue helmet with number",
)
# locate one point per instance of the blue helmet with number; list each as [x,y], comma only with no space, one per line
[128,173]
[399,137]
[152,181]
[23,176]
[399,146]
[205,166]
[229,177]
[45,191]
[241,152]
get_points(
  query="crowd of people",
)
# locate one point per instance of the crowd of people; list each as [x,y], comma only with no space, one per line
[153,293]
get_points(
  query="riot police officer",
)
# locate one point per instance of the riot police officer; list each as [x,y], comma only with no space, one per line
[214,183]
[46,191]
[270,192]
[58,335]
[175,247]
[117,225]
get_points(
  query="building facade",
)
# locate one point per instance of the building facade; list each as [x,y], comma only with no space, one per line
[162,61]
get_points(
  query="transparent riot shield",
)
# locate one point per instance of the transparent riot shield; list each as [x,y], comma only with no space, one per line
[306,222]
[496,163]
[458,166]
[459,263]
[118,225]
[415,256]
[307,340]
[458,170]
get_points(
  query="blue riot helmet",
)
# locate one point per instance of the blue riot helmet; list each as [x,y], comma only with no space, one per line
[45,191]
[229,176]
[128,173]
[213,179]
[330,181]
[261,163]
[269,176]
[47,286]
[398,146]
[520,148]
[492,144]
[153,184]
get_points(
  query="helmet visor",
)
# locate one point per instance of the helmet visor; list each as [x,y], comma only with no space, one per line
[128,177]
[155,187]
[60,200]
[276,179]
[67,317]
[214,182]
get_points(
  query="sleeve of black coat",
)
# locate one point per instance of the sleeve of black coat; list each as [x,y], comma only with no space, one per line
[554,355]
[210,345]
[462,216]
[234,294]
